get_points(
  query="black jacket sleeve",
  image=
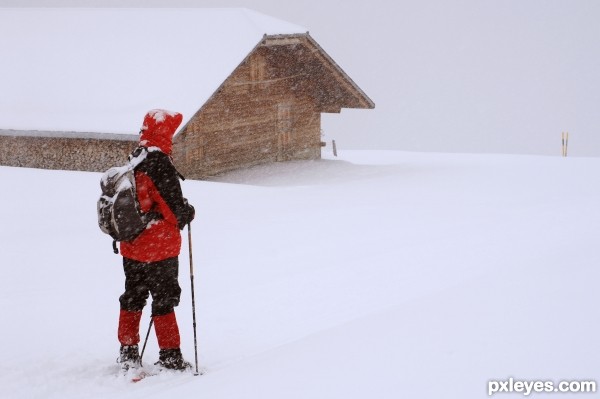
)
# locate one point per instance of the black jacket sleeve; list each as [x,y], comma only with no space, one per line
[160,169]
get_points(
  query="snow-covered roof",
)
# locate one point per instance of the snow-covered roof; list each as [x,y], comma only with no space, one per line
[100,70]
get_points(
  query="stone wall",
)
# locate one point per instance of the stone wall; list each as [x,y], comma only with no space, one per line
[65,150]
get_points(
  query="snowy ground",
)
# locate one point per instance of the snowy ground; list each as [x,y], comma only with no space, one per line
[371,275]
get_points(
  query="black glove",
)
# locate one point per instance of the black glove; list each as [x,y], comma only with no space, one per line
[188,214]
[191,213]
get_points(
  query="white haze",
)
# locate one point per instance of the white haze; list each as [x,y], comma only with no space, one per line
[500,76]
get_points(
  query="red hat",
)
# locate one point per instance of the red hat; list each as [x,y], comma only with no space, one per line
[158,129]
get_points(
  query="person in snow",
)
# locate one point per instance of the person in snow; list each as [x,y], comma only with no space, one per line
[150,261]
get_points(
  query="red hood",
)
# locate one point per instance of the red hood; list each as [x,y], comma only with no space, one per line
[158,129]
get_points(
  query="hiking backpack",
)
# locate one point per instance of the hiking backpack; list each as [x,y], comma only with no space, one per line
[118,208]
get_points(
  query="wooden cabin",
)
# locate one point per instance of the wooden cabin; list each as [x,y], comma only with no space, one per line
[268,110]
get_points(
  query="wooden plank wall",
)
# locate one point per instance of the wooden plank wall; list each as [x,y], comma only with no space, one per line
[262,113]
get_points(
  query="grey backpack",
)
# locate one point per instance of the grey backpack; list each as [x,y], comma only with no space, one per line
[118,208]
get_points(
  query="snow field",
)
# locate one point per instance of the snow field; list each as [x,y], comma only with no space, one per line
[375,274]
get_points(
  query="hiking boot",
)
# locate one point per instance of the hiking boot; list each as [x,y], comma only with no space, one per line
[172,359]
[129,356]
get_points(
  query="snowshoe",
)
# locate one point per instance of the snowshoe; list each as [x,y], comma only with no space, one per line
[172,359]
[129,357]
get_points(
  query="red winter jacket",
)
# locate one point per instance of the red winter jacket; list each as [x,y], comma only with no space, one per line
[159,191]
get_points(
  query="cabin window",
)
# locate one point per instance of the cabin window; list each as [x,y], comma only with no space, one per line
[198,153]
[195,151]
[257,71]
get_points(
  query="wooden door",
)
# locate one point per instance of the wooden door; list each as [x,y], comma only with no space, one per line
[284,129]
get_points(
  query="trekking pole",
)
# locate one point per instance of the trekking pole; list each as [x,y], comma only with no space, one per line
[146,340]
[193,298]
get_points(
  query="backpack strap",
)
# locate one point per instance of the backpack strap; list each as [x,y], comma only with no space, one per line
[137,156]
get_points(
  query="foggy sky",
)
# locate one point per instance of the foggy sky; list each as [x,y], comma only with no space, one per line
[499,76]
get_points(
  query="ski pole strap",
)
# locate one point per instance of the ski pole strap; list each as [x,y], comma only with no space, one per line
[115,249]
